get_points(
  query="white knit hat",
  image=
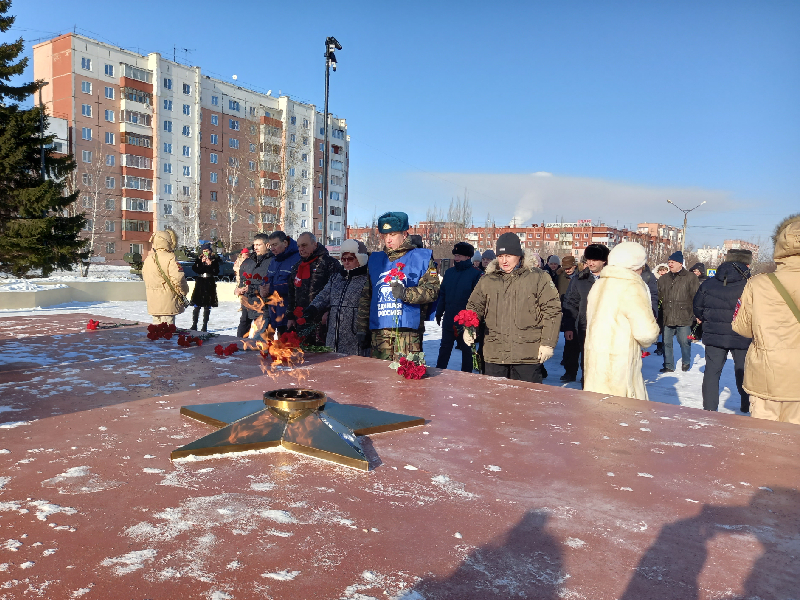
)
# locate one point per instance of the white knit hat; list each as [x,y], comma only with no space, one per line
[357,248]
[628,255]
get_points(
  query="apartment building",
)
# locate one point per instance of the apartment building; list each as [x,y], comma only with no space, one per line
[544,238]
[161,145]
[741,245]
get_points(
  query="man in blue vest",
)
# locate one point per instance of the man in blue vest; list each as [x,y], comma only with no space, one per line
[402,278]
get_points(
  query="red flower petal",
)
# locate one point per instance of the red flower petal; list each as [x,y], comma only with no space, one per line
[387,279]
[401,265]
[298,312]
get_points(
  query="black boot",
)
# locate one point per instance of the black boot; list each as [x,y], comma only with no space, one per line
[195,315]
[206,314]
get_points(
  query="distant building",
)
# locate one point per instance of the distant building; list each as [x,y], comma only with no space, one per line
[711,256]
[741,245]
[159,144]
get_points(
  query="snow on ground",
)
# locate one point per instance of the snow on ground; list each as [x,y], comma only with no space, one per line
[97,272]
[679,388]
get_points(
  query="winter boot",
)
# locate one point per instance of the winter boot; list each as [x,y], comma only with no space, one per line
[195,315]
[206,314]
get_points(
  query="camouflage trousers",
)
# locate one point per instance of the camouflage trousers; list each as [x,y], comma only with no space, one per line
[385,342]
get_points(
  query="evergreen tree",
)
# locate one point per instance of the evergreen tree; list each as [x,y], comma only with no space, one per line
[35,233]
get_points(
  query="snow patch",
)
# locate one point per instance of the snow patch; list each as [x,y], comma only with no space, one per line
[575,543]
[279,516]
[645,475]
[492,468]
[130,562]
[44,509]
[15,424]
[4,481]
[282,575]
[411,468]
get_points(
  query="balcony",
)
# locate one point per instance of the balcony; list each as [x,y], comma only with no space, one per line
[136,236]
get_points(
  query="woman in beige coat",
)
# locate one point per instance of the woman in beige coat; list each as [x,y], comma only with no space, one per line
[162,301]
[620,323]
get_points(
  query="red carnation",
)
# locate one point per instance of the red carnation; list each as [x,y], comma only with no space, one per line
[298,312]
[92,324]
[257,277]
[151,328]
[198,341]
[301,321]
[394,273]
[387,279]
[218,350]
[401,265]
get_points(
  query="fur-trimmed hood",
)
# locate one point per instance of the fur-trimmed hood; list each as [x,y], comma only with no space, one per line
[787,237]
[530,261]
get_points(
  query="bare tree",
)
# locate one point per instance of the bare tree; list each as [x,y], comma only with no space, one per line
[459,217]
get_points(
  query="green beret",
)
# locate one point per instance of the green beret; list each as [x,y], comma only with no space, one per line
[392,222]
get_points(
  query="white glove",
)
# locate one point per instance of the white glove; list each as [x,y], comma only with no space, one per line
[469,339]
[545,353]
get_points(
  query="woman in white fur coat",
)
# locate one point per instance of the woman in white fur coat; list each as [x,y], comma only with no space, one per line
[619,324]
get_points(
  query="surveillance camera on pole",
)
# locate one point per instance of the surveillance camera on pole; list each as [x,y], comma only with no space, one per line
[331,44]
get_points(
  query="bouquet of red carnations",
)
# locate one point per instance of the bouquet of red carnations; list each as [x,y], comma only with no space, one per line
[469,321]
[411,366]
[221,350]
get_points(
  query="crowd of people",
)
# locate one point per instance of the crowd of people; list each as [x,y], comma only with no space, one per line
[610,307]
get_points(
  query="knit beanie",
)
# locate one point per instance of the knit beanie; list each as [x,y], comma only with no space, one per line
[628,255]
[677,256]
[553,259]
[508,243]
[489,254]
[476,257]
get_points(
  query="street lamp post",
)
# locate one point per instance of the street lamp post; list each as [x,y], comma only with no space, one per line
[41,127]
[331,44]
[685,215]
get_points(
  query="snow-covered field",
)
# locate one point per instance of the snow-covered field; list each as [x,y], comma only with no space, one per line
[97,272]
[678,388]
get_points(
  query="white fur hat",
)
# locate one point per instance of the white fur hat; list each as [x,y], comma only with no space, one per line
[357,248]
[628,255]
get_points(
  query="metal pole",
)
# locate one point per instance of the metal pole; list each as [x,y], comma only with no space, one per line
[41,131]
[326,154]
[683,239]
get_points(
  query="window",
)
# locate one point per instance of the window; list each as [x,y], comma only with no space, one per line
[109,225]
[187,110]
[304,190]
[319,211]
[109,114]
[291,172]
[168,126]
[233,143]
[109,137]
[87,180]
[167,104]
[338,133]
[132,160]
[86,87]
[110,204]
[213,139]
[213,178]
[233,162]
[252,147]
[168,188]
[110,183]
[335,196]
[303,223]
[305,123]
[167,167]
[251,165]
[137,248]
[214,119]
[233,105]
[337,164]
[137,140]
[276,185]
[321,132]
[86,63]
[319,226]
[167,148]
[168,208]
[111,248]
[322,147]
[87,156]
[213,158]
[89,225]
[137,118]
[187,171]
[305,141]
[185,191]
[187,151]
[321,164]
[293,120]
[303,207]
[252,200]
[187,130]
[319,194]
[187,89]
[130,225]
[251,219]
[293,137]
[86,110]
[233,124]
[136,183]
[167,84]
[214,100]
[137,204]
[110,160]
[109,92]
[213,196]
[304,157]
[213,215]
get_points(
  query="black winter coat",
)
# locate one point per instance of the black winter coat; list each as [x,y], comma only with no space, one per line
[303,291]
[676,292]
[715,302]
[205,288]
[574,305]
[652,284]
[455,290]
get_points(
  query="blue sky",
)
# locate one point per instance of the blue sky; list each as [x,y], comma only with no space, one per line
[540,110]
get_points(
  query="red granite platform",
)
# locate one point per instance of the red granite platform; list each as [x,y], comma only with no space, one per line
[510,490]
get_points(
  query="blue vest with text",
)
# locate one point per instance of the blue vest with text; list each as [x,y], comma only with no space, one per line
[385,307]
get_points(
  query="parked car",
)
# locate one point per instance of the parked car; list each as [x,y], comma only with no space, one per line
[226,272]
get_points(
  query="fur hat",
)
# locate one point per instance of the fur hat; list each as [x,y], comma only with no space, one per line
[391,222]
[357,248]
[508,243]
[677,256]
[739,255]
[464,249]
[660,266]
[596,252]
[416,240]
[489,254]
[568,261]
[787,237]
[628,255]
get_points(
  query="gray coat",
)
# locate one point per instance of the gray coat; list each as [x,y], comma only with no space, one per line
[341,295]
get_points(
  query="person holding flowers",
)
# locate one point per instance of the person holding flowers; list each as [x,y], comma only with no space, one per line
[402,279]
[519,306]
[454,292]
[252,274]
[204,295]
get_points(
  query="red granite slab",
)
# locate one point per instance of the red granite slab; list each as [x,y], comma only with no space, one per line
[510,490]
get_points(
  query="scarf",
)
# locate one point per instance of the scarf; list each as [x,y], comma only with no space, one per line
[303,271]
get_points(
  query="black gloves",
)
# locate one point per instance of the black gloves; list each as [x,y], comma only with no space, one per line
[310,313]
[363,340]
[438,319]
[398,290]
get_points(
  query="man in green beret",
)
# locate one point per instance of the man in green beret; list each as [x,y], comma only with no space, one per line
[403,280]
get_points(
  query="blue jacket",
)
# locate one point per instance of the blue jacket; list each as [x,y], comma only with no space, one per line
[279,274]
[715,302]
[455,290]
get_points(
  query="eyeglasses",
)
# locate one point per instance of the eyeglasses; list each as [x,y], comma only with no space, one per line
[349,259]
